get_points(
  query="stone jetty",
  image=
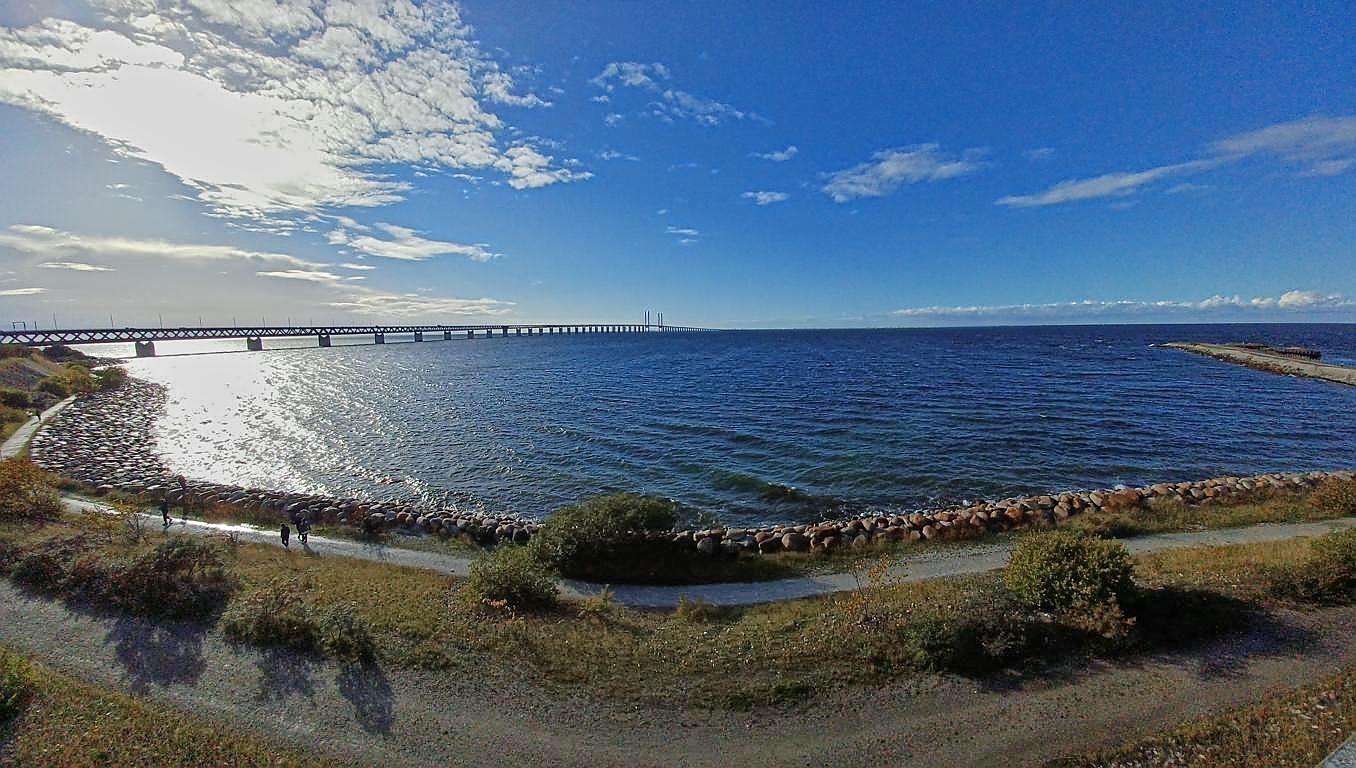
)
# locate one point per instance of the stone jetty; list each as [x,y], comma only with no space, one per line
[105,440]
[1287,361]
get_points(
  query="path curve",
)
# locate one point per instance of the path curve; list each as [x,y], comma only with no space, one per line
[18,441]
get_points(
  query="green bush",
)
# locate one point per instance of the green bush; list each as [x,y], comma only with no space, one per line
[277,614]
[1327,575]
[1334,497]
[513,577]
[14,398]
[16,685]
[111,377]
[1061,570]
[71,380]
[601,539]
[27,492]
[985,629]
[180,577]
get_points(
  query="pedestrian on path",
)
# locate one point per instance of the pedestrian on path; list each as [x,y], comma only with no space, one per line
[286,536]
[165,513]
[303,528]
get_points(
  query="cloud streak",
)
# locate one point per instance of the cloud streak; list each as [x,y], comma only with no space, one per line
[1289,302]
[405,244]
[669,104]
[765,198]
[890,169]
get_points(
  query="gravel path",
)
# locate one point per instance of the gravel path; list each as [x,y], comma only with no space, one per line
[369,715]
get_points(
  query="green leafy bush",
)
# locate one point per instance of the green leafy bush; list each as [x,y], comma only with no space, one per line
[513,577]
[985,629]
[180,577]
[1060,570]
[1328,575]
[27,492]
[111,377]
[1335,497]
[601,539]
[16,685]
[14,398]
[278,614]
[70,380]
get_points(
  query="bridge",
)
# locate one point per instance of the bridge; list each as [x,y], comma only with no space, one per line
[144,338]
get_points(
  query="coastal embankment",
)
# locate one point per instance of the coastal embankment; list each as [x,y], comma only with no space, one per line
[1283,361]
[105,441]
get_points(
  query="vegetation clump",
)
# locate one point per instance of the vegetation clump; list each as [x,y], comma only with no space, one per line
[512,577]
[277,614]
[26,492]
[180,578]
[1327,575]
[1061,570]
[1334,497]
[982,630]
[15,686]
[604,539]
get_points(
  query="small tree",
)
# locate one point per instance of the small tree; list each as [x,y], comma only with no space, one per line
[604,538]
[511,576]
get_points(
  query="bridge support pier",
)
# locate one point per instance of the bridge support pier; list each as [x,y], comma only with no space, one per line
[145,348]
[418,335]
[447,335]
[254,343]
[378,338]
[324,340]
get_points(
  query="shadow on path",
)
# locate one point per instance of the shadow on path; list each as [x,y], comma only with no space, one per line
[365,686]
[284,674]
[155,653]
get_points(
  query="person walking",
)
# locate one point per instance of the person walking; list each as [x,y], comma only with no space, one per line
[286,536]
[303,528]
[165,513]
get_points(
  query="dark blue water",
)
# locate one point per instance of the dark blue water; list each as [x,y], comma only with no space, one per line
[755,425]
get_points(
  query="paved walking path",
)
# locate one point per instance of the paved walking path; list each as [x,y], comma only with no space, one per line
[928,563]
[17,442]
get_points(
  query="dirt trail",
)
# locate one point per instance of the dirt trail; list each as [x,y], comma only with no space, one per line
[370,715]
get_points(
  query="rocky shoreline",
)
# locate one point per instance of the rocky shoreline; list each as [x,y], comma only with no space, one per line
[105,440]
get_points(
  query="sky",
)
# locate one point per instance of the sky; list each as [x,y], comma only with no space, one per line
[754,164]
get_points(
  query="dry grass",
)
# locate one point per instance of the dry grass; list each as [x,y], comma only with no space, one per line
[66,723]
[1289,729]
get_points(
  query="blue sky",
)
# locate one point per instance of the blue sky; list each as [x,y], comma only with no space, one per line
[750,164]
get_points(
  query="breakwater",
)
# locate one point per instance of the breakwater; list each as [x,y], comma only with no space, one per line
[1288,361]
[106,440]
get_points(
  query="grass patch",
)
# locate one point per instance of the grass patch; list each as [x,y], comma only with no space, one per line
[65,723]
[1289,729]
[278,614]
[1169,516]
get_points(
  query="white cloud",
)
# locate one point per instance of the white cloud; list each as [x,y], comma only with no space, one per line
[313,276]
[271,108]
[613,119]
[75,266]
[668,104]
[22,291]
[359,267]
[612,154]
[765,198]
[1321,146]
[406,244]
[1039,153]
[889,169]
[373,303]
[779,156]
[1106,185]
[49,243]
[1324,146]
[1291,301]
[685,231]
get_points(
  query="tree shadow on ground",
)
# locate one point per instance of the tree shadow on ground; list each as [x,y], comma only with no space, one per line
[158,652]
[366,687]
[284,674]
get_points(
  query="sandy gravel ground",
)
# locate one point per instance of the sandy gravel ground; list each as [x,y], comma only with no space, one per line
[370,715]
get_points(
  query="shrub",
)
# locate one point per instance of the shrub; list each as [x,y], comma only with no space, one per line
[111,377]
[277,614]
[1327,575]
[16,685]
[14,398]
[180,577]
[986,629]
[70,380]
[694,611]
[1334,497]
[42,570]
[602,539]
[26,492]
[514,577]
[1060,570]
